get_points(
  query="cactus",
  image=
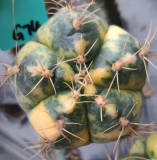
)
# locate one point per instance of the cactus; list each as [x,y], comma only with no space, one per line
[80,80]
[151,146]
[144,148]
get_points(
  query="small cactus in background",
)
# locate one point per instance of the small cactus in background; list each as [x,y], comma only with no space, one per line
[80,80]
[144,147]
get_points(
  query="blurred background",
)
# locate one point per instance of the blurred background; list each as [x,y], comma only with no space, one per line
[15,130]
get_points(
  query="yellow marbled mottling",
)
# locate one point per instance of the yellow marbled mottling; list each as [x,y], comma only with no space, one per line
[100,73]
[41,120]
[111,110]
[45,35]
[26,50]
[22,99]
[137,109]
[80,46]
[131,84]
[113,134]
[39,92]
[114,48]
[49,88]
[69,53]
[89,89]
[46,39]
[114,32]
[129,59]
[91,117]
[101,30]
[66,104]
[68,72]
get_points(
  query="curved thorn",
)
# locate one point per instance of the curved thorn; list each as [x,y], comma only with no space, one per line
[51,116]
[91,47]
[38,152]
[128,145]
[90,65]
[61,16]
[140,124]
[101,113]
[46,154]
[150,62]
[34,146]
[124,48]
[66,61]
[119,138]
[68,86]
[149,33]
[86,102]
[106,59]
[72,134]
[52,154]
[52,85]
[72,123]
[5,80]
[81,6]
[107,152]
[130,68]
[111,127]
[53,8]
[85,10]
[46,128]
[38,59]
[117,153]
[3,64]
[64,136]
[58,140]
[153,36]
[146,69]
[57,64]
[110,86]
[35,86]
[117,81]
[90,14]
[40,135]
[88,73]
[58,3]
[135,132]
[131,109]
[89,21]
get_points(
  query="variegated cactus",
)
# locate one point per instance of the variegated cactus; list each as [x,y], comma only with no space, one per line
[80,80]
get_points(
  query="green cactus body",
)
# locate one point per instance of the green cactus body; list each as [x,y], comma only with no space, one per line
[56,112]
[144,148]
[112,48]
[138,147]
[119,105]
[61,110]
[66,40]
[30,74]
